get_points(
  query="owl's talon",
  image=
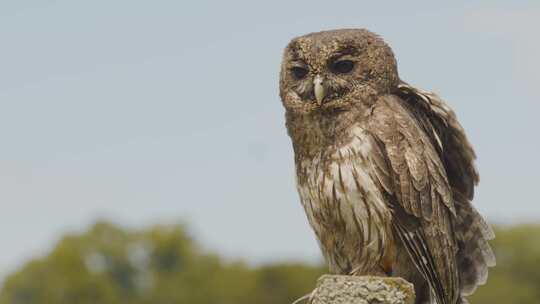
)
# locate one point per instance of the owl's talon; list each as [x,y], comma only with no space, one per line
[307,297]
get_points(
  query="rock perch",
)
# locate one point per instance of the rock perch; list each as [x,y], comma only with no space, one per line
[341,289]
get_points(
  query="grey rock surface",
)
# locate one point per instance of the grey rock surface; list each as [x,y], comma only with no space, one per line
[340,289]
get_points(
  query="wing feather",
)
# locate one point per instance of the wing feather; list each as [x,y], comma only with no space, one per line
[422,201]
[445,130]
[448,137]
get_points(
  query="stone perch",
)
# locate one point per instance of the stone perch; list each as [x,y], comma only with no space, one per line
[341,289]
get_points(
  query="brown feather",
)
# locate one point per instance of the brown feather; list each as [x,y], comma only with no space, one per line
[439,244]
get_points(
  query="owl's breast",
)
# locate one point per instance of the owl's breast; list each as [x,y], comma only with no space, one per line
[346,207]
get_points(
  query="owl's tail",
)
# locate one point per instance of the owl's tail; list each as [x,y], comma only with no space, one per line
[474,255]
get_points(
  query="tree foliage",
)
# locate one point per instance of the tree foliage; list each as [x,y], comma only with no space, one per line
[110,265]
[163,264]
[516,278]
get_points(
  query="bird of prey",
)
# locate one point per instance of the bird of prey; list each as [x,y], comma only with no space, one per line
[384,170]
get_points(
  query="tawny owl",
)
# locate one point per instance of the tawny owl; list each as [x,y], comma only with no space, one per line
[385,172]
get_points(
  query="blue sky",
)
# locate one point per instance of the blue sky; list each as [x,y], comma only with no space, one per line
[148,112]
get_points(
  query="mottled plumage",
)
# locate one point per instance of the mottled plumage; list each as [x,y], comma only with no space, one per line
[385,172]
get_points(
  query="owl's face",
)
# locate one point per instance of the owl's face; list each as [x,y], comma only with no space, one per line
[335,70]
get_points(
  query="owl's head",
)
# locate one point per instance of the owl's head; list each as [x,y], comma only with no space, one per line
[336,69]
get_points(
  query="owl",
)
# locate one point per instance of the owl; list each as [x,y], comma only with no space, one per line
[384,170]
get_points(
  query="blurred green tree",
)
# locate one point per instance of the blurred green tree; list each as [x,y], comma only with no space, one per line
[109,265]
[516,278]
[163,264]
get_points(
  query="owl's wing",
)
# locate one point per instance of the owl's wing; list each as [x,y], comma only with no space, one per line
[442,126]
[448,137]
[409,168]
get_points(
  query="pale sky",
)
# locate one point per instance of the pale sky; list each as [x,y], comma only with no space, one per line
[145,112]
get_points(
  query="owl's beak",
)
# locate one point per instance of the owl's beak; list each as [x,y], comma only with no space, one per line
[318,89]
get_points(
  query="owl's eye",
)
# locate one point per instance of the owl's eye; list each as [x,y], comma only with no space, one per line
[342,66]
[299,72]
